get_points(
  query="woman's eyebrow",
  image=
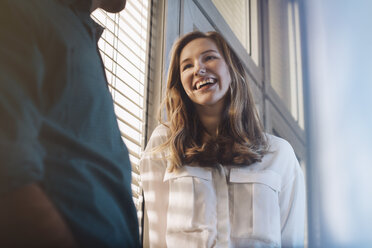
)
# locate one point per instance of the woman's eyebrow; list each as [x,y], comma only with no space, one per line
[206,51]
[183,61]
[210,50]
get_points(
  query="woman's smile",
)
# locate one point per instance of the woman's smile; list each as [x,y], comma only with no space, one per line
[205,83]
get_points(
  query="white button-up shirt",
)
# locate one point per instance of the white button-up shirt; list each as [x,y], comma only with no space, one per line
[260,205]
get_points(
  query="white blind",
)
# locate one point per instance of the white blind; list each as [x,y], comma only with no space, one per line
[123,46]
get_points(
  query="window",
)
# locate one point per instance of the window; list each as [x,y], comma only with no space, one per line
[242,17]
[285,55]
[123,46]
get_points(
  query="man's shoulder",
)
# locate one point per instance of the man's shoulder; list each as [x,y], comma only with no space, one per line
[32,7]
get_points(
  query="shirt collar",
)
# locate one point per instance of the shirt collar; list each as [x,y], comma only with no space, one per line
[98,30]
[82,9]
[82,5]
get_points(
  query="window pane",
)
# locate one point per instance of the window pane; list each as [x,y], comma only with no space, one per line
[285,55]
[241,16]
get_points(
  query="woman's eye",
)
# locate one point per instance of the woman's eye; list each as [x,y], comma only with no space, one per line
[186,67]
[209,57]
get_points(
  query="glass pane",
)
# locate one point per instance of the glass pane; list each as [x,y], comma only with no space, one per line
[285,55]
[241,16]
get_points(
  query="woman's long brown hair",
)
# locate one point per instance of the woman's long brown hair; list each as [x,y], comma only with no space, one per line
[240,139]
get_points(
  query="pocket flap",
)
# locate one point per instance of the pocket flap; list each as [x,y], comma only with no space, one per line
[267,177]
[189,171]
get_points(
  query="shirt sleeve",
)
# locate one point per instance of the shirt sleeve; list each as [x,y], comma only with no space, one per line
[21,72]
[156,192]
[292,205]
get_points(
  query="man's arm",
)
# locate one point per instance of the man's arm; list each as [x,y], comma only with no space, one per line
[27,216]
[29,219]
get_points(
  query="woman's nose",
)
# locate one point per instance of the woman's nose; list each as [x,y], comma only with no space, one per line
[200,69]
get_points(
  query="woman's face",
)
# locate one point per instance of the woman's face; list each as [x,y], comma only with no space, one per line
[204,73]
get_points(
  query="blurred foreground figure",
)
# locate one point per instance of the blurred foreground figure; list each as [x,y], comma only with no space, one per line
[64,171]
[339,92]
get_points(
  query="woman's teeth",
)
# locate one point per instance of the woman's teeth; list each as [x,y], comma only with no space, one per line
[205,82]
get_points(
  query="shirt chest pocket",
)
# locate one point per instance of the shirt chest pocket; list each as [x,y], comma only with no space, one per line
[191,199]
[255,214]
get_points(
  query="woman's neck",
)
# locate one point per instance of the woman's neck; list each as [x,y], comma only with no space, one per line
[210,116]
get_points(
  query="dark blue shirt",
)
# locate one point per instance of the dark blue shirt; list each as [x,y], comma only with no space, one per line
[57,122]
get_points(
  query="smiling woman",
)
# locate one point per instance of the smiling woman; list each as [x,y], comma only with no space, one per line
[197,58]
[210,176]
